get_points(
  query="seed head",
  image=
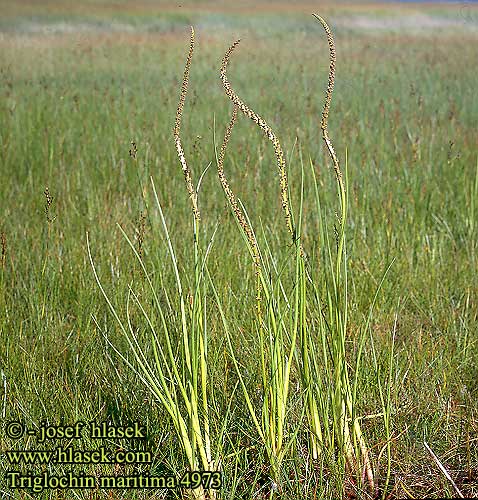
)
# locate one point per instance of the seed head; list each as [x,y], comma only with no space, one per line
[177,128]
[267,131]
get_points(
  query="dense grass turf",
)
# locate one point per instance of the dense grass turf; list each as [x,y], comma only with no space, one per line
[78,86]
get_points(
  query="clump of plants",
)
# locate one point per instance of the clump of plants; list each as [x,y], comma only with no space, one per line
[301,327]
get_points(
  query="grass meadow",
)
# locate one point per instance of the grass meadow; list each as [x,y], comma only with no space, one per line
[88,97]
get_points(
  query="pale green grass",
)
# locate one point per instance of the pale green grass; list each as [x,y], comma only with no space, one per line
[405,111]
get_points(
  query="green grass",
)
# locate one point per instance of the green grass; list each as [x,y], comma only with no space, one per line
[405,111]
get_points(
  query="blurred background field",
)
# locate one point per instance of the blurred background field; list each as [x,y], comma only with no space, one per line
[81,81]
